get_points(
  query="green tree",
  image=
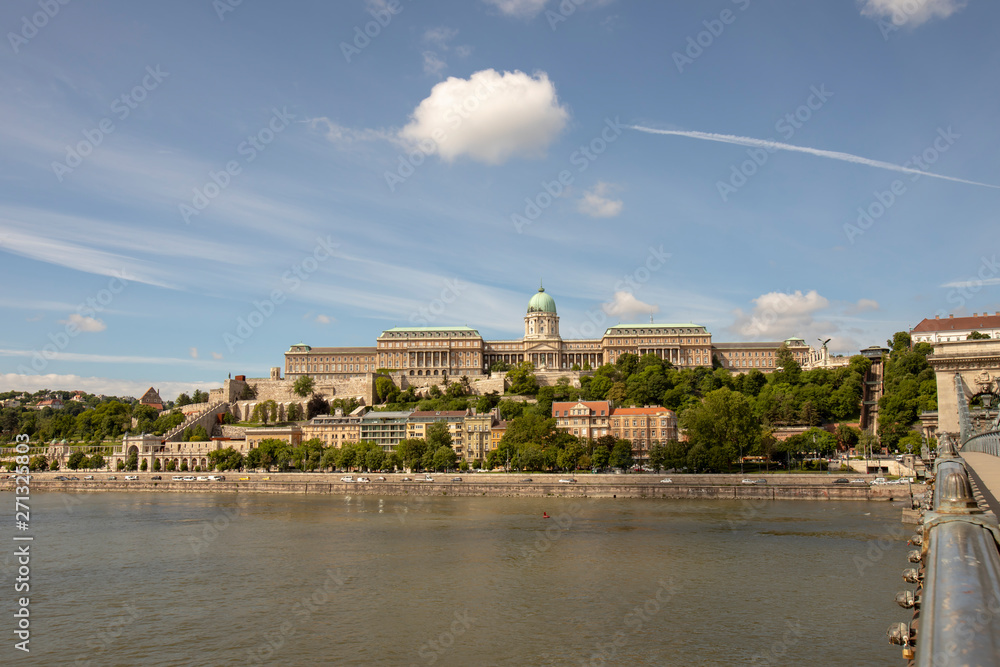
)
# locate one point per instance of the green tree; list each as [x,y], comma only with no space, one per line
[156,465]
[725,419]
[976,335]
[304,385]
[600,457]
[522,379]
[198,433]
[411,451]
[75,460]
[487,402]
[444,458]
[144,466]
[183,400]
[438,435]
[789,369]
[621,455]
[385,388]
[96,461]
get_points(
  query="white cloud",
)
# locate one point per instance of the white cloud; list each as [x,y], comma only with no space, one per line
[323,319]
[596,204]
[864,305]
[88,324]
[910,12]
[99,385]
[489,117]
[433,65]
[463,51]
[194,352]
[440,36]
[624,304]
[216,355]
[777,316]
[339,134]
[525,9]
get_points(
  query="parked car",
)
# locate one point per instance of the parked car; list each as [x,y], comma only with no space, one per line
[748,481]
[456,479]
[841,480]
[526,480]
[216,478]
[62,478]
[347,478]
[189,478]
[380,479]
[88,477]
[244,479]
[74,477]
[177,478]
[364,480]
[861,481]
[426,478]
[666,481]
[131,478]
[406,479]
[112,477]
[567,480]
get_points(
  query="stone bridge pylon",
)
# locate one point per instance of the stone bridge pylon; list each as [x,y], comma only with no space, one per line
[970,368]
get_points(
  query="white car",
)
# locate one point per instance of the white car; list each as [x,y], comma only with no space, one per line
[364,480]
[88,477]
[202,478]
[666,481]
[177,478]
[188,478]
[131,478]
[567,480]
[347,478]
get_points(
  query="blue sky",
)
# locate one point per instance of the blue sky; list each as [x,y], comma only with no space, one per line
[169,171]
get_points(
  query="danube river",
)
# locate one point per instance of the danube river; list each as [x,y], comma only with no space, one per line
[227,579]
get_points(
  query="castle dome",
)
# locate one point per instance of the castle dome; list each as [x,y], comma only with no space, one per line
[541,303]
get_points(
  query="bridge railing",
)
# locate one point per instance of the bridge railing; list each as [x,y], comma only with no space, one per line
[956,618]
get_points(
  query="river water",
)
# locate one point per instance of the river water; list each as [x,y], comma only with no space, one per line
[217,579]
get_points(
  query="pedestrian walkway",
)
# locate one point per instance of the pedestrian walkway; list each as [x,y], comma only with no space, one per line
[985,469]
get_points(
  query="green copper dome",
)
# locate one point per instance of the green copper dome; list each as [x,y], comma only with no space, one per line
[541,303]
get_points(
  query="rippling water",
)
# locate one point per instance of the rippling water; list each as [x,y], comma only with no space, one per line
[210,579]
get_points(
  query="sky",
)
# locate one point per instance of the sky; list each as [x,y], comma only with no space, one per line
[189,188]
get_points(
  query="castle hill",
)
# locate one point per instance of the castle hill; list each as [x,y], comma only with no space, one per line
[602,416]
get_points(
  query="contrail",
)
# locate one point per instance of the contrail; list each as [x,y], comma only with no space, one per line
[777,145]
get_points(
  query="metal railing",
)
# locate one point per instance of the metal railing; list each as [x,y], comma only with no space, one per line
[956,604]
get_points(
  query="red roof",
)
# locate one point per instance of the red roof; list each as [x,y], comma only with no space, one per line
[976,321]
[655,410]
[595,406]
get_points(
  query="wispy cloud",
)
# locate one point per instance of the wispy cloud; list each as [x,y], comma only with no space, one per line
[819,152]
[913,12]
[597,204]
